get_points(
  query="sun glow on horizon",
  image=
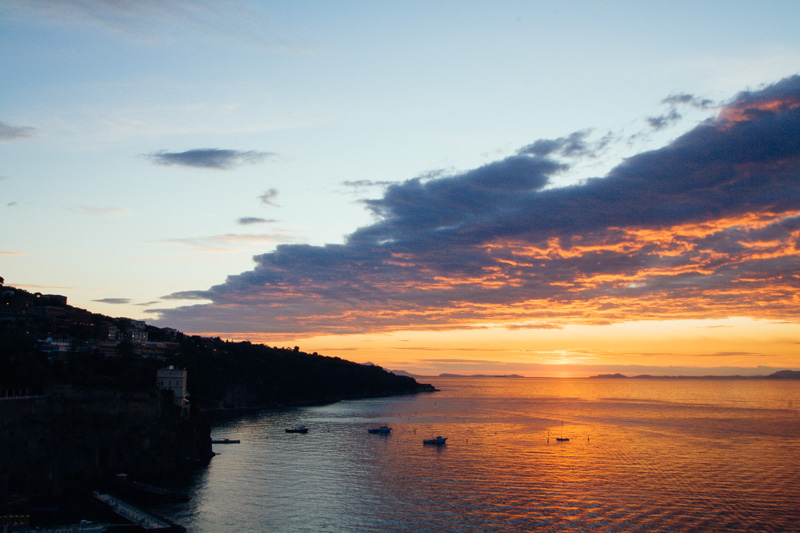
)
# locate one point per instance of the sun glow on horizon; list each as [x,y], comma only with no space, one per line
[659,347]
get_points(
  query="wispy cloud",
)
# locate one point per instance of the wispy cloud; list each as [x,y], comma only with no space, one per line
[662,121]
[39,288]
[114,301]
[269,196]
[706,226]
[675,101]
[533,326]
[247,221]
[689,100]
[227,242]
[208,158]
[147,21]
[11,133]
[111,212]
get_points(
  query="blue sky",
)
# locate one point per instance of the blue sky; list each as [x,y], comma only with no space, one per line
[149,152]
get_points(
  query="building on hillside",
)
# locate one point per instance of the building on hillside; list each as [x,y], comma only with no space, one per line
[133,331]
[56,345]
[174,380]
[157,350]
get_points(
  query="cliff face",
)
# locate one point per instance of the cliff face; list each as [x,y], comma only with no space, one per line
[57,444]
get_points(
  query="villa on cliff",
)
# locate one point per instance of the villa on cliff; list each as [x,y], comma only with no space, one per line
[174,380]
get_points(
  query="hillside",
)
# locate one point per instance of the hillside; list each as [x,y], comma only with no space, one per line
[79,401]
[45,342]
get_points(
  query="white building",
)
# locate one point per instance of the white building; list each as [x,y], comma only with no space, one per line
[175,380]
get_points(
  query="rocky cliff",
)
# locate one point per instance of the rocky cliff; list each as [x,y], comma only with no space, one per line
[63,442]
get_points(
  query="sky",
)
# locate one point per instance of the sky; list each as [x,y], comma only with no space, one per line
[533,188]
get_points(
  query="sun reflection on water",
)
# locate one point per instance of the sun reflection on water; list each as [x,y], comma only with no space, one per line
[658,455]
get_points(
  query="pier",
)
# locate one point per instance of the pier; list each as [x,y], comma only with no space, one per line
[133,514]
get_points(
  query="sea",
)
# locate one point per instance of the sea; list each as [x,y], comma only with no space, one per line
[643,455]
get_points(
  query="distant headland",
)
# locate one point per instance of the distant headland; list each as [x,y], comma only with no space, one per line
[480,376]
[781,374]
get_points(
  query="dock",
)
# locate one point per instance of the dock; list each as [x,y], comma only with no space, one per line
[134,514]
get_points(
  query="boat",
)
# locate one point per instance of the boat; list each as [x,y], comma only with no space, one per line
[298,429]
[437,440]
[562,438]
[383,430]
[225,441]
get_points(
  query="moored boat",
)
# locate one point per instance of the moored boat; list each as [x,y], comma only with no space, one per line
[383,430]
[436,440]
[298,429]
[562,438]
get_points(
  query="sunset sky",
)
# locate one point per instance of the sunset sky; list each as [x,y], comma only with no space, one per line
[540,188]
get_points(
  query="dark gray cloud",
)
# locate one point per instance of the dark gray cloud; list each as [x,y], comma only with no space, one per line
[674,101]
[573,145]
[115,301]
[706,226]
[247,221]
[208,158]
[662,121]
[689,100]
[11,133]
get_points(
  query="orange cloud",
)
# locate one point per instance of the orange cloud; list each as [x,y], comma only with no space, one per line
[751,110]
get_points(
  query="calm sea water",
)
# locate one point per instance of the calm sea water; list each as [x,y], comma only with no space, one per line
[660,455]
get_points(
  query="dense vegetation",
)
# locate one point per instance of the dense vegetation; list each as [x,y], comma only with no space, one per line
[241,374]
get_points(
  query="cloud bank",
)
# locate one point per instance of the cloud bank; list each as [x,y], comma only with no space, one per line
[208,158]
[707,226]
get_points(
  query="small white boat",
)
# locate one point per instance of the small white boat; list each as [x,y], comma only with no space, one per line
[437,440]
[383,430]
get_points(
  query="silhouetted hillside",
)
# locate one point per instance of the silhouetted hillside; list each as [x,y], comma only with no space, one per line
[79,400]
[45,342]
[244,375]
